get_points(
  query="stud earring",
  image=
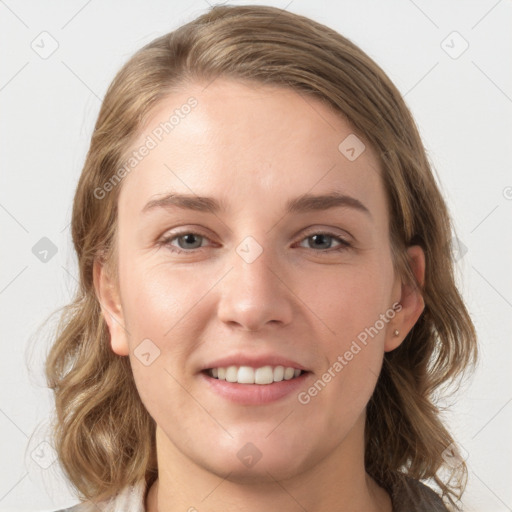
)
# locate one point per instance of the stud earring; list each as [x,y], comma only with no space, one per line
[396,332]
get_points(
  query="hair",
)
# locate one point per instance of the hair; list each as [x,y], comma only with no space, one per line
[103,434]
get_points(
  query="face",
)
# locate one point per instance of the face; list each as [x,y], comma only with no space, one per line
[261,274]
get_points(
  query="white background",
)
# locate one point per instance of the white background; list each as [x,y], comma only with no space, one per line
[463,108]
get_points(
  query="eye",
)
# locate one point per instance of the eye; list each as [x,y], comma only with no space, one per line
[187,241]
[322,239]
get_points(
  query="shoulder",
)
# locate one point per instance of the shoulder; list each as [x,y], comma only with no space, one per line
[413,496]
[129,499]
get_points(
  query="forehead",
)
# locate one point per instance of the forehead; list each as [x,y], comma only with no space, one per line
[247,142]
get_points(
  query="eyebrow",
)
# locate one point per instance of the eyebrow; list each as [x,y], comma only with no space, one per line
[302,204]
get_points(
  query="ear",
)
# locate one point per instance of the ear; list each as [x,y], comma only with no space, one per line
[108,296]
[411,301]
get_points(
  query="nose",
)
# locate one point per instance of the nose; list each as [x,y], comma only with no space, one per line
[255,294]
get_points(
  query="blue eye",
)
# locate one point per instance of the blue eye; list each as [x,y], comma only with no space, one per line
[188,238]
[321,237]
[189,241]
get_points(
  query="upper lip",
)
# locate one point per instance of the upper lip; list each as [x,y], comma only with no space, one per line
[254,361]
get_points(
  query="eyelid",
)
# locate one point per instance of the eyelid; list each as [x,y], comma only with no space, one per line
[345,236]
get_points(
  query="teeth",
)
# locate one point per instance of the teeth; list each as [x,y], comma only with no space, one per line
[278,373]
[289,373]
[231,373]
[263,375]
[249,375]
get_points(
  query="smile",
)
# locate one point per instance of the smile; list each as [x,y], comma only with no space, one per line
[249,375]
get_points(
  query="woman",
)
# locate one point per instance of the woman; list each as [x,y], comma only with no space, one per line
[254,371]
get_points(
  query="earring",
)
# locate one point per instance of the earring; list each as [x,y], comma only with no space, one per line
[396,332]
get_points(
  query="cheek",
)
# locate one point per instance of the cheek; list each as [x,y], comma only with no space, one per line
[156,297]
[351,303]
[347,299]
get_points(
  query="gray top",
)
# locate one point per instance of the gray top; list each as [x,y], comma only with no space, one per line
[409,496]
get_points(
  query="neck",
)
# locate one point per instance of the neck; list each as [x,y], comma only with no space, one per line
[337,482]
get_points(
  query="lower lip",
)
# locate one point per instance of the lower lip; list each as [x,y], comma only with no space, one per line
[255,394]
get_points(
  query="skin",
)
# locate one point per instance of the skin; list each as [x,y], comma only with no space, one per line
[254,147]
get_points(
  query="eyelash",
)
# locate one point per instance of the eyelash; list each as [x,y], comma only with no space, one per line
[344,245]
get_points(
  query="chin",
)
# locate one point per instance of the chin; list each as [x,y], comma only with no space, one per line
[263,462]
[261,473]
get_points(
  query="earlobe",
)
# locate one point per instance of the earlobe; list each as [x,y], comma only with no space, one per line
[411,301]
[107,294]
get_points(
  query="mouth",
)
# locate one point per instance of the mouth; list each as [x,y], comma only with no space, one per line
[249,386]
[262,376]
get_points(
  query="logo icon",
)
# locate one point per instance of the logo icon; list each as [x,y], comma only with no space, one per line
[146,352]
[44,250]
[249,455]
[454,45]
[351,147]
[45,45]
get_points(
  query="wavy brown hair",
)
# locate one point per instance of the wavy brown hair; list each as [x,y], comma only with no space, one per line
[104,436]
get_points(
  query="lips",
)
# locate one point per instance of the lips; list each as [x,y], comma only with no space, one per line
[276,377]
[254,394]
